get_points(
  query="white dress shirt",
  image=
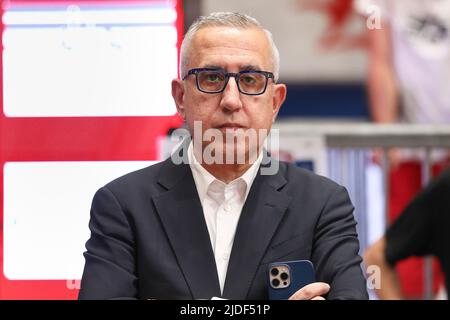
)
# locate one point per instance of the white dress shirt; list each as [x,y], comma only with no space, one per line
[222,205]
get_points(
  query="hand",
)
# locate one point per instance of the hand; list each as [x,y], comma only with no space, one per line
[394,156]
[312,291]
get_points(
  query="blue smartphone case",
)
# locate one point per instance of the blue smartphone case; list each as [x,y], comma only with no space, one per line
[301,273]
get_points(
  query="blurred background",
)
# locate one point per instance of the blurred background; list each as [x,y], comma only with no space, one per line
[86,98]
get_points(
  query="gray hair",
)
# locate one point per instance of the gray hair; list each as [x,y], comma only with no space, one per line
[226,19]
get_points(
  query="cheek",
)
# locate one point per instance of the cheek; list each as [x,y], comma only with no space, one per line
[266,120]
[199,108]
[261,113]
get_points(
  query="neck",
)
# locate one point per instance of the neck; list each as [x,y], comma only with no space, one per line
[227,172]
[224,172]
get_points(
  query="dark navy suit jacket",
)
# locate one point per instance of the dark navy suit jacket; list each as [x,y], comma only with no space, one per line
[149,238]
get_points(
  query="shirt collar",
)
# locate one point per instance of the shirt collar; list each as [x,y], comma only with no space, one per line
[203,178]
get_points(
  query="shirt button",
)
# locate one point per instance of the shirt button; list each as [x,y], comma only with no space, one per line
[225,257]
[227,207]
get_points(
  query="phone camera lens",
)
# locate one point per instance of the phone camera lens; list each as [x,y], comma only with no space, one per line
[284,276]
[274,271]
[275,282]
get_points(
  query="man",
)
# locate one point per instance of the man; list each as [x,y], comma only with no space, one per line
[408,73]
[210,228]
[422,229]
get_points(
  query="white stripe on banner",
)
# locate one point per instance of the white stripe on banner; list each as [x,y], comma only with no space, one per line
[46,215]
[108,65]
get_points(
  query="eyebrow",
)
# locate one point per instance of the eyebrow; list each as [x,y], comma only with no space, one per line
[248,67]
[211,66]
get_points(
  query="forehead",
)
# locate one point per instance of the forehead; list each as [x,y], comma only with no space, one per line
[229,47]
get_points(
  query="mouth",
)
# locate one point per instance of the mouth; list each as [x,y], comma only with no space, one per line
[230,126]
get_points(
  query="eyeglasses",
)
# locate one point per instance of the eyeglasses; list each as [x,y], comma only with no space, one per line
[249,82]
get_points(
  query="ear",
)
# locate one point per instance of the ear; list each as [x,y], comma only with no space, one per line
[178,96]
[279,96]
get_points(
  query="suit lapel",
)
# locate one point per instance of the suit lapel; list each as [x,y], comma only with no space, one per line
[182,216]
[260,217]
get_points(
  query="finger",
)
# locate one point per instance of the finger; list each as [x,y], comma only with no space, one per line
[318,298]
[310,291]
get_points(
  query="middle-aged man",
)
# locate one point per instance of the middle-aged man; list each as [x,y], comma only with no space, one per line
[207,227]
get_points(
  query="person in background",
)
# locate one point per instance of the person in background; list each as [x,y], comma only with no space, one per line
[339,14]
[421,229]
[408,76]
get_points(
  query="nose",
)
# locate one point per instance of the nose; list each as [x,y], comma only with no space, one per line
[231,97]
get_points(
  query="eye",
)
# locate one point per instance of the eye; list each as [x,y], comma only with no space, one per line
[248,79]
[213,77]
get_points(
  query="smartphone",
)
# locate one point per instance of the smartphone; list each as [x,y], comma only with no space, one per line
[285,278]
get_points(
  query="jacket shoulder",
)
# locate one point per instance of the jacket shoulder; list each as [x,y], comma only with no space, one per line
[144,177]
[307,180]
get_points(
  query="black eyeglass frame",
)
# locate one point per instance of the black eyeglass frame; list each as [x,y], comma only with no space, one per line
[236,76]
